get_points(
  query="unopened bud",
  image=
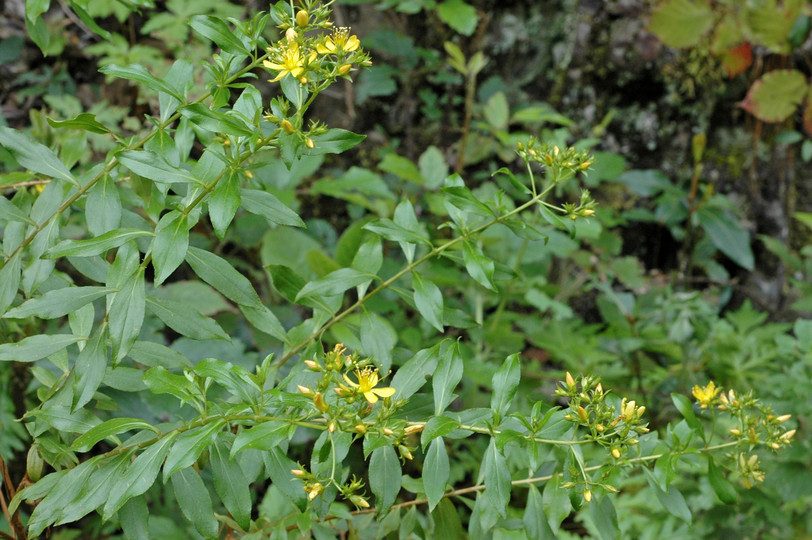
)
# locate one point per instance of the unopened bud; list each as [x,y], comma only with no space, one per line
[332,427]
[599,428]
[752,435]
[298,473]
[313,366]
[344,69]
[615,453]
[582,414]
[587,212]
[570,381]
[34,463]
[775,446]
[387,431]
[302,18]
[788,435]
[585,165]
[735,432]
[314,491]
[359,501]
[411,430]
[640,411]
[291,35]
[360,429]
[405,452]
[783,418]
[287,127]
[310,144]
[303,80]
[318,401]
[587,493]
[304,390]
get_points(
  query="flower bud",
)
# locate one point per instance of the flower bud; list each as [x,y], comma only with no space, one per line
[599,428]
[303,80]
[288,128]
[332,427]
[302,18]
[313,366]
[298,473]
[344,69]
[291,35]
[360,429]
[582,414]
[314,491]
[615,453]
[304,390]
[318,401]
[788,435]
[357,500]
[570,381]
[417,428]
[587,492]
[405,452]
[387,431]
[783,418]
[735,432]
[310,144]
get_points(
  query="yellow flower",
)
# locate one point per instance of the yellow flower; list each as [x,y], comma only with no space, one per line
[340,41]
[704,396]
[367,381]
[290,62]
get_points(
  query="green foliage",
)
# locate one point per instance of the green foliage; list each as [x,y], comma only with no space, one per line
[198,354]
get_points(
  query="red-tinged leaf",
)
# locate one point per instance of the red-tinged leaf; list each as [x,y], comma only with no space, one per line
[737,59]
[776,95]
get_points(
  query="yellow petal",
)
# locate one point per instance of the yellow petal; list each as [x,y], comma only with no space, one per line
[371,397]
[352,44]
[350,381]
[272,65]
[385,392]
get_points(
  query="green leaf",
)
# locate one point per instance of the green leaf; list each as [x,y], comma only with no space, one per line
[681,23]
[446,377]
[134,518]
[152,354]
[105,202]
[497,111]
[154,167]
[84,121]
[89,368]
[94,246]
[58,302]
[436,472]
[378,338]
[336,282]
[10,276]
[108,429]
[721,486]
[218,273]
[433,167]
[389,230]
[727,235]
[279,467]
[35,347]
[402,168]
[497,479]
[462,198]
[534,520]
[231,485]
[126,315]
[139,476]
[776,96]
[437,426]
[604,517]
[264,320]
[184,319]
[412,375]
[195,502]
[217,122]
[34,156]
[478,265]
[458,15]
[219,32]
[447,522]
[264,436]
[9,212]
[266,205]
[334,141]
[428,300]
[160,381]
[190,445]
[137,72]
[170,244]
[385,477]
[671,499]
[224,202]
[556,501]
[505,383]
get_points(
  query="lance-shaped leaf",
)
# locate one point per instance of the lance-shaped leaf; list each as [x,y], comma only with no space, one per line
[190,445]
[137,72]
[428,300]
[335,282]
[35,347]
[218,273]
[505,383]
[385,477]
[58,303]
[89,368]
[185,320]
[140,475]
[497,478]
[170,244]
[126,315]
[34,156]
[446,377]
[152,166]
[219,32]
[195,502]
[436,471]
[231,485]
[84,121]
[268,206]
[107,429]
[95,246]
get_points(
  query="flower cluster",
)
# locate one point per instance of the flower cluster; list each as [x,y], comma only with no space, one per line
[555,158]
[614,426]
